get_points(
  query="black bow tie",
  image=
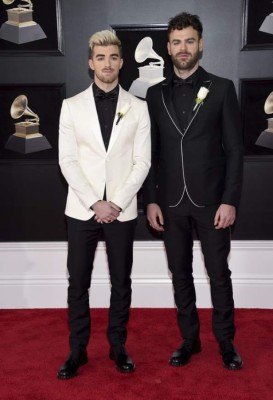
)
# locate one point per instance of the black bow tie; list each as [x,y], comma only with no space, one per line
[183,82]
[101,95]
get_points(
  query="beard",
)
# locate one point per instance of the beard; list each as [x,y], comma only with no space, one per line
[107,78]
[187,64]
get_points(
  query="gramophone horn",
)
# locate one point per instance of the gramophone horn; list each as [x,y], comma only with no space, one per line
[145,50]
[19,108]
[8,1]
[268,105]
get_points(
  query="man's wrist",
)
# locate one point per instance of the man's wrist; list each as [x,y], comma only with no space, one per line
[92,207]
[116,206]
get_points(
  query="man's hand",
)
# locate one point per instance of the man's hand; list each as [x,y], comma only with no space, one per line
[155,217]
[105,211]
[225,216]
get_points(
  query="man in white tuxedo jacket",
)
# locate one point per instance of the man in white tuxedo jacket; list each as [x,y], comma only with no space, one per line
[104,155]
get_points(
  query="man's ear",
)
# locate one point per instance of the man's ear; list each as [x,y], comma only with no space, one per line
[90,62]
[201,45]
[168,48]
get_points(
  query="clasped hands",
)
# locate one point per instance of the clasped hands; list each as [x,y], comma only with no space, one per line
[105,211]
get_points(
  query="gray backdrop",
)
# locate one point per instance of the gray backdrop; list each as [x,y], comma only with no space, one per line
[33,192]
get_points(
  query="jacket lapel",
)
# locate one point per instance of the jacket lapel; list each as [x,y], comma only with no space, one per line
[92,116]
[206,82]
[168,104]
[124,102]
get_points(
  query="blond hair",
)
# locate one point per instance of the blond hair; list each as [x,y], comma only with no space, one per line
[104,38]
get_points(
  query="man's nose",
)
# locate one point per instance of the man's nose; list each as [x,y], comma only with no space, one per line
[107,62]
[183,46]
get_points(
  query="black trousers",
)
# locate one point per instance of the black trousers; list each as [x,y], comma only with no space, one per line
[83,237]
[215,245]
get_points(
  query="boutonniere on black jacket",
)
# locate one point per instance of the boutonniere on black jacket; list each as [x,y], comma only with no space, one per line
[121,113]
[201,95]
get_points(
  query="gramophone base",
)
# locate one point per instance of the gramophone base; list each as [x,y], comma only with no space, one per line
[265,139]
[26,146]
[20,35]
[140,86]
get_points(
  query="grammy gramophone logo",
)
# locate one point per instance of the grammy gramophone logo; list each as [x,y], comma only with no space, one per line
[266,137]
[26,138]
[20,27]
[149,74]
[267,25]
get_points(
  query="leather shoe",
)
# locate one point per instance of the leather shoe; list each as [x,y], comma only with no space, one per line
[183,354]
[122,360]
[70,368]
[231,358]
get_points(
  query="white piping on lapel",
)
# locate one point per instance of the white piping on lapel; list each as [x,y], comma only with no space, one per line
[185,184]
[182,155]
[193,117]
[170,114]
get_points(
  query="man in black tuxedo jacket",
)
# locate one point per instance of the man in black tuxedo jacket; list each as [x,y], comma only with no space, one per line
[195,182]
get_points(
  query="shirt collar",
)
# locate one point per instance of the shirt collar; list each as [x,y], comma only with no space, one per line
[96,89]
[193,78]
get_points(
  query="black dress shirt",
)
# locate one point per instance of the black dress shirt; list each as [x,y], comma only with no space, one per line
[106,104]
[184,93]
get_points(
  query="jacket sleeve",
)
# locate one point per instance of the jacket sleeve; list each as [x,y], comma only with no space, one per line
[141,161]
[233,147]
[150,184]
[68,160]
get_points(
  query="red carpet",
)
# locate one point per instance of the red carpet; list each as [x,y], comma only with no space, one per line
[34,344]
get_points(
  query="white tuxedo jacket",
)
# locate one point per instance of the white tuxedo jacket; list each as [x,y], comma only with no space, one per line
[88,167]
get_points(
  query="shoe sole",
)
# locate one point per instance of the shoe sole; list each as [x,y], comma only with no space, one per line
[111,356]
[187,362]
[65,378]
[126,372]
[230,368]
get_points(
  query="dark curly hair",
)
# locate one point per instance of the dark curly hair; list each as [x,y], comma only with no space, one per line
[184,20]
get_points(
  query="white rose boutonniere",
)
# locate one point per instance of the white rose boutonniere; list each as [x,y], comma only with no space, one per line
[201,95]
[124,109]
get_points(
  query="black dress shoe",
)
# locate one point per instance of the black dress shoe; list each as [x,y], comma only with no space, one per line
[183,354]
[231,358]
[70,368]
[122,360]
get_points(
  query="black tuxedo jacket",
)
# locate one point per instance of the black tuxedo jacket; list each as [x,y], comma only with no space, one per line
[205,160]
